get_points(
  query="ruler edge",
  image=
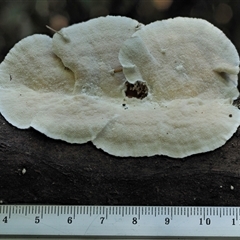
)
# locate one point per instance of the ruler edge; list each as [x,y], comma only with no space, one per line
[29,236]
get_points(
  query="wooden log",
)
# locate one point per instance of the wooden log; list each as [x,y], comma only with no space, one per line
[35,169]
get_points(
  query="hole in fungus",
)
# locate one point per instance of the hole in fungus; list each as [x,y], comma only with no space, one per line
[230,115]
[137,90]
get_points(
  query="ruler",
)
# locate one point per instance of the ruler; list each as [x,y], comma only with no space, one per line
[119,221]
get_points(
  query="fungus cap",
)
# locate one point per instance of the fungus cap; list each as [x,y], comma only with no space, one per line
[190,69]
[174,96]
[176,129]
[38,90]
[182,58]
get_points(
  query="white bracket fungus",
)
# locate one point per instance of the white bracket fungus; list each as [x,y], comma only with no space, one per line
[133,90]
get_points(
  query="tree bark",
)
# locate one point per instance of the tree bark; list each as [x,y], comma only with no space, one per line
[38,170]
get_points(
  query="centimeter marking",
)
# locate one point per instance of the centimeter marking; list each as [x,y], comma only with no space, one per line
[119,221]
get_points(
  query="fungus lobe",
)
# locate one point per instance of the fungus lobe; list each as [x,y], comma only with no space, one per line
[177,77]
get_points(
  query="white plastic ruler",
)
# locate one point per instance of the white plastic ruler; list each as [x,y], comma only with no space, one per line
[119,221]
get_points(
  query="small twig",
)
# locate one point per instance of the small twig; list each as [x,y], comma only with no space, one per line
[61,34]
[52,29]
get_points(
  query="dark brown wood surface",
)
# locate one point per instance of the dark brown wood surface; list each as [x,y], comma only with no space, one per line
[62,173]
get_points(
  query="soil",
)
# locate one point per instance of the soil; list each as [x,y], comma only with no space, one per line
[35,169]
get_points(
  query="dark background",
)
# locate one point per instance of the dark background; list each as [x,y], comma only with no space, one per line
[20,18]
[37,169]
